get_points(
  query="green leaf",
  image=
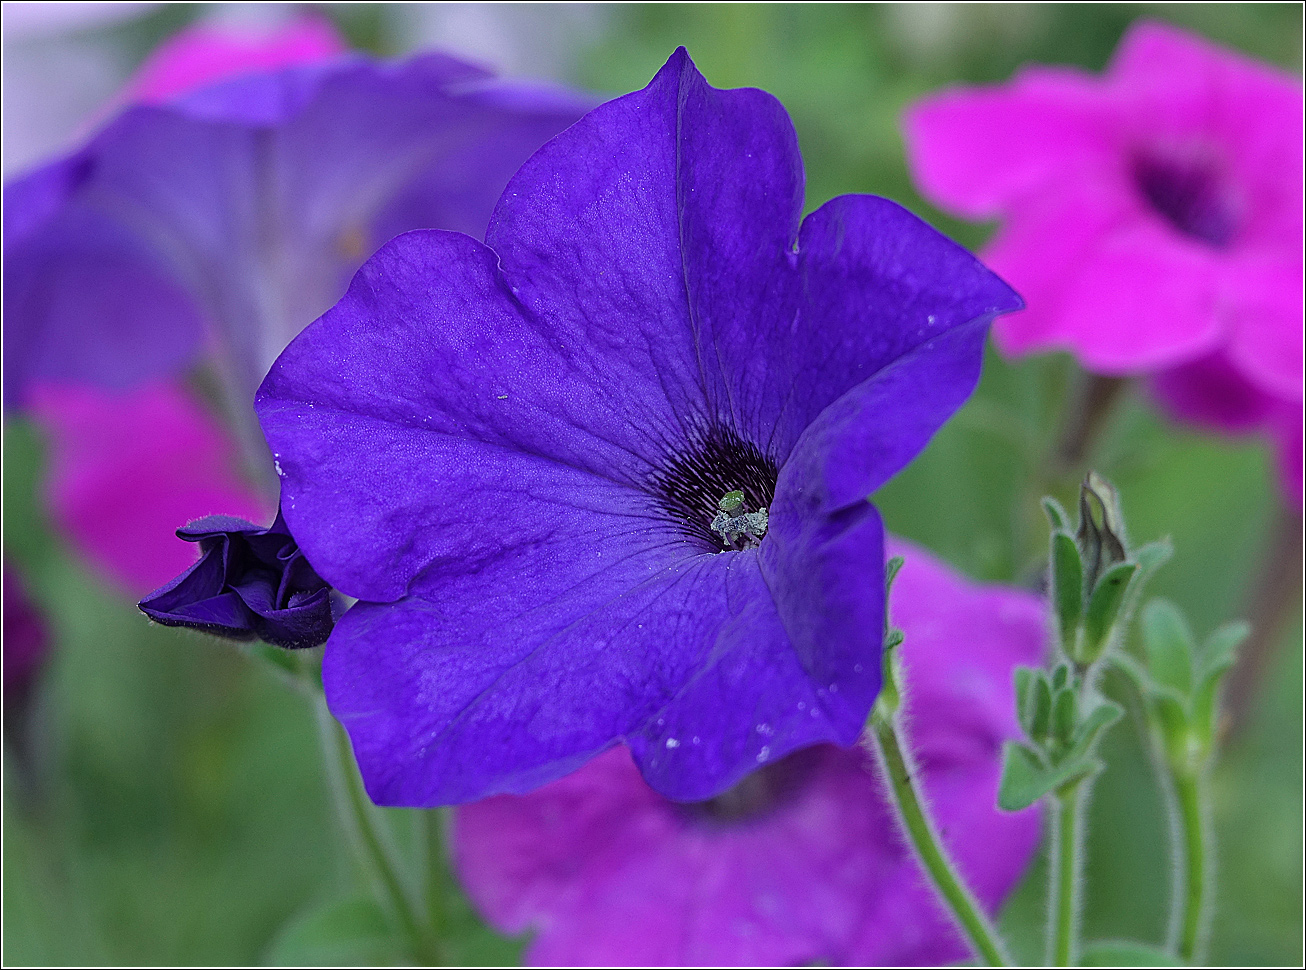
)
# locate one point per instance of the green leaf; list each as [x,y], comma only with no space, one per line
[1218,653]
[1119,953]
[1025,779]
[1041,716]
[1025,678]
[891,572]
[1067,587]
[1056,513]
[352,931]
[1104,607]
[1170,714]
[1099,719]
[1152,556]
[1168,646]
[1065,712]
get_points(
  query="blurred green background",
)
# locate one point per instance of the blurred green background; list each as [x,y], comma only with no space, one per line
[176,809]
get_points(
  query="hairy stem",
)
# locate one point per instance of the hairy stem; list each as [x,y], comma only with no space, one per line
[1063,896]
[898,772]
[1189,905]
[356,812]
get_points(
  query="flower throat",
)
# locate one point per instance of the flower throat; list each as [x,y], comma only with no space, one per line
[717,489]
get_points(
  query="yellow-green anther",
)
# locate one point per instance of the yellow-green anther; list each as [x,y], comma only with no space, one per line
[731,502]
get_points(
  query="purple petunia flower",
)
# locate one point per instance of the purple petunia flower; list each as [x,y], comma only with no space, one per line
[213,224]
[250,582]
[800,862]
[1152,218]
[543,463]
[231,216]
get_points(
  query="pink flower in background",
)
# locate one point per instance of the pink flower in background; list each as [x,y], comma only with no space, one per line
[1151,217]
[126,469]
[799,862]
[206,53]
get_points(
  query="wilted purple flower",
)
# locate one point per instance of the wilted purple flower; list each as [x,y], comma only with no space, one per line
[516,455]
[231,216]
[250,582]
[801,861]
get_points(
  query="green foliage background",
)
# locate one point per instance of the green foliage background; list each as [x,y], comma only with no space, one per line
[181,814]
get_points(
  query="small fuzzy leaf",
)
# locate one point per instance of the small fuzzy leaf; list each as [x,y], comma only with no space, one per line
[1170,715]
[1218,653]
[1056,513]
[1067,587]
[1152,556]
[1168,645]
[1025,678]
[1065,712]
[1060,676]
[891,572]
[1040,720]
[1099,719]
[1104,607]
[1025,779]
[1119,953]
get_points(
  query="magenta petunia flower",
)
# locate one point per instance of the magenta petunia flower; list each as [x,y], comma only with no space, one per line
[801,861]
[604,478]
[1151,217]
[125,469]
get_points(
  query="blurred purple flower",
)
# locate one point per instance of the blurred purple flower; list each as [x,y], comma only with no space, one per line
[250,582]
[800,862]
[220,221]
[231,216]
[515,454]
[1152,218]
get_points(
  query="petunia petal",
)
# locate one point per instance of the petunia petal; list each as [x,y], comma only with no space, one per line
[452,709]
[979,150]
[379,468]
[795,668]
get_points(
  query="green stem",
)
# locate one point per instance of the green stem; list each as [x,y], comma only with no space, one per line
[435,823]
[1063,906]
[1190,899]
[356,812]
[966,912]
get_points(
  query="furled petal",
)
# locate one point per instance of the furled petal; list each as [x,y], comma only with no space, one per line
[250,582]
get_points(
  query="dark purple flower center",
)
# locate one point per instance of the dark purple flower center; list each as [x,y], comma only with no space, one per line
[758,794]
[1190,194]
[690,483]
